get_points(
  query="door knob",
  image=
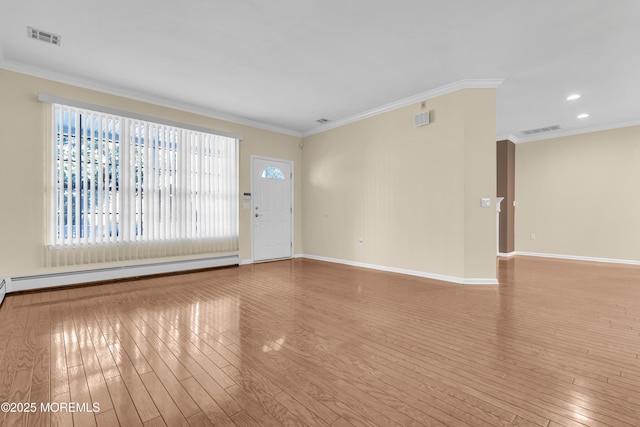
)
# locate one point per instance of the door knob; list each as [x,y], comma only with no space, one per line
[257,215]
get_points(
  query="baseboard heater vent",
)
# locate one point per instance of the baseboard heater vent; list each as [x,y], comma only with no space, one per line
[26,283]
[3,288]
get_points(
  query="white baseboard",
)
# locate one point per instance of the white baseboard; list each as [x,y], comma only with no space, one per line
[579,258]
[507,254]
[452,279]
[250,261]
[27,283]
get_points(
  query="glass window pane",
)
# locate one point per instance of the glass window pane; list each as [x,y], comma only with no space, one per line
[272,172]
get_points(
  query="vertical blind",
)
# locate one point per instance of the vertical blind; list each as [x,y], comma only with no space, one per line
[120,180]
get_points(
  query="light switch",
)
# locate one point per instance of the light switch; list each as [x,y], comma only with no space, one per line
[485,203]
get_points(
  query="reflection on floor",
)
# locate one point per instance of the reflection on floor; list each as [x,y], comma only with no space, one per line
[305,342]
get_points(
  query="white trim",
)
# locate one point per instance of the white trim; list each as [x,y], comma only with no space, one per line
[165,102]
[26,283]
[580,258]
[152,99]
[511,137]
[293,210]
[479,281]
[433,93]
[573,132]
[508,254]
[139,96]
[452,279]
[250,261]
[53,99]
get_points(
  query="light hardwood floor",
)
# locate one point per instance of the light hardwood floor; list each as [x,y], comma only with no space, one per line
[304,342]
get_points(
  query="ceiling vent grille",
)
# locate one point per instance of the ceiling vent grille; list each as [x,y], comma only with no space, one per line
[44,36]
[541,130]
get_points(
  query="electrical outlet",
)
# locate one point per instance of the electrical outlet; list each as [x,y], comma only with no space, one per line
[360,241]
[532,236]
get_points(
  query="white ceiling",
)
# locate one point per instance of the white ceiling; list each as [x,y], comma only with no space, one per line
[283,64]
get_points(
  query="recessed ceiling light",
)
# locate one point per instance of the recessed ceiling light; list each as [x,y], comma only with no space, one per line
[573,97]
[583,116]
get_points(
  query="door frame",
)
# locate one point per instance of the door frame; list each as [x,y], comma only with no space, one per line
[293,210]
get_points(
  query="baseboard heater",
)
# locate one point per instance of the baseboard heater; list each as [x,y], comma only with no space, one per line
[26,283]
[3,289]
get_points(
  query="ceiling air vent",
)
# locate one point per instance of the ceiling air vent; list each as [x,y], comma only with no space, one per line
[44,36]
[540,130]
[322,121]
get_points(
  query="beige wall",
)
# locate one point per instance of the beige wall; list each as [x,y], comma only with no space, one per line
[411,194]
[479,181]
[22,164]
[580,195]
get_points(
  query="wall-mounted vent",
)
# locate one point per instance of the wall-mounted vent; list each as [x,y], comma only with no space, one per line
[323,121]
[44,36]
[421,119]
[540,130]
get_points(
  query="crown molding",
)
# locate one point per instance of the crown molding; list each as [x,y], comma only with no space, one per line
[433,93]
[573,132]
[139,96]
[165,102]
[511,137]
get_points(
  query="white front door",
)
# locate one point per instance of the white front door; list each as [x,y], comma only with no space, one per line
[271,210]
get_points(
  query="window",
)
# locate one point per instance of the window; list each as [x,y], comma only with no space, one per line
[272,172]
[123,180]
